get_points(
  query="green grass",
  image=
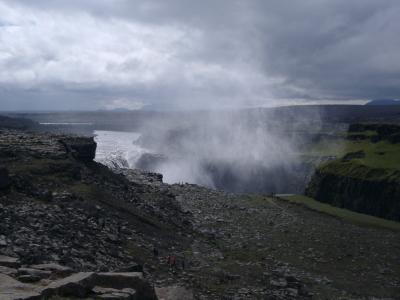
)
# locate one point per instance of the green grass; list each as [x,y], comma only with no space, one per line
[381,161]
[377,155]
[347,215]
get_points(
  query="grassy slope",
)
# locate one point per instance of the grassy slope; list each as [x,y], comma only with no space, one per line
[381,161]
[348,215]
[378,155]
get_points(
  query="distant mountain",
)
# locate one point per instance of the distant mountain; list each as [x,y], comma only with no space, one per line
[384,102]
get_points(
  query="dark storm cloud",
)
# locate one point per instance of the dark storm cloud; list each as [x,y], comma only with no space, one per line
[93,54]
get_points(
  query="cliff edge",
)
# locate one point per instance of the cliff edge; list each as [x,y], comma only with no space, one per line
[366,179]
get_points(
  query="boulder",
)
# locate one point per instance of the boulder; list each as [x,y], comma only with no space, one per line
[81,148]
[4,179]
[28,278]
[11,262]
[76,285]
[11,289]
[132,280]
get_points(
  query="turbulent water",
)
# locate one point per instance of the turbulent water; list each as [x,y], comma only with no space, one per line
[118,149]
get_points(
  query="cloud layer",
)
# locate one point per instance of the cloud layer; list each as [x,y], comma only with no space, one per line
[196,54]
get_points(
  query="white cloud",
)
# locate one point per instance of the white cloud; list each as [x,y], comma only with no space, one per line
[208,54]
[79,51]
[123,104]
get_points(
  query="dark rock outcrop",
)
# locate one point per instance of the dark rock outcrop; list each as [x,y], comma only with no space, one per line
[81,148]
[353,183]
[377,197]
[76,285]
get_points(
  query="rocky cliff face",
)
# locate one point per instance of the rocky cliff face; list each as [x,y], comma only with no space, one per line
[363,180]
[59,207]
[81,148]
[374,196]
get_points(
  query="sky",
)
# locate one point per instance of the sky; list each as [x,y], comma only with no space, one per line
[180,54]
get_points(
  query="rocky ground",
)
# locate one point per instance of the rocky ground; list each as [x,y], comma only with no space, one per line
[266,246]
[59,207]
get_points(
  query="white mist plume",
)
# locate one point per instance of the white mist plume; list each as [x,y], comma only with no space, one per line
[211,147]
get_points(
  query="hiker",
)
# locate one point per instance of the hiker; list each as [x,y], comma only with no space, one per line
[173,261]
[169,260]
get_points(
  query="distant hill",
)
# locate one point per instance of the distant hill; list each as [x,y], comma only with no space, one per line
[17,123]
[384,102]
[133,120]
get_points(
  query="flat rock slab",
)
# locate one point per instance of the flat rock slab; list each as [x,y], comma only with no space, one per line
[116,296]
[55,268]
[131,280]
[34,272]
[8,271]
[110,293]
[11,289]
[11,262]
